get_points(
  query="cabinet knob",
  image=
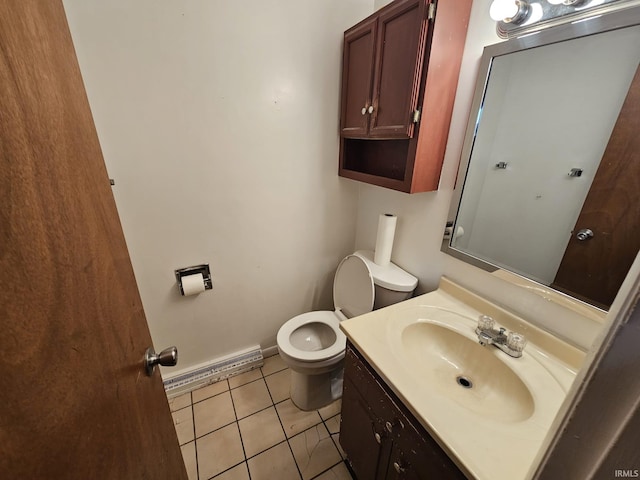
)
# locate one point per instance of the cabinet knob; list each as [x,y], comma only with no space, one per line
[370,109]
[378,438]
[389,426]
[398,467]
[364,110]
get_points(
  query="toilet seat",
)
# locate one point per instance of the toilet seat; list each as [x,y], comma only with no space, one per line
[326,317]
[353,294]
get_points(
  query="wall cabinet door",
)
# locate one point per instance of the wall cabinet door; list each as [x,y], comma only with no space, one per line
[357,78]
[382,67]
[402,33]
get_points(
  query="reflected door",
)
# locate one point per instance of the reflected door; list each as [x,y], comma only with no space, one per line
[594,267]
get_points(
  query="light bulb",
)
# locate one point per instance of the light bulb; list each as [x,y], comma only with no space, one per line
[501,9]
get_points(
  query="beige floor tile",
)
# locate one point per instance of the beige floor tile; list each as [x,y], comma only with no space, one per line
[189,457]
[295,420]
[219,451]
[314,451]
[236,473]
[213,413]
[260,431]
[277,462]
[181,401]
[331,409]
[339,472]
[244,378]
[250,398]
[272,365]
[279,385]
[333,424]
[210,390]
[183,421]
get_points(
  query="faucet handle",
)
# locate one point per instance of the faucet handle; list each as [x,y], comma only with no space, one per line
[485,322]
[516,341]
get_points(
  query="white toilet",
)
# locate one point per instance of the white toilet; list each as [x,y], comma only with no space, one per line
[313,346]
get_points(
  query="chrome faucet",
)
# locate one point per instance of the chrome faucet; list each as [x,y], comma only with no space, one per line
[511,343]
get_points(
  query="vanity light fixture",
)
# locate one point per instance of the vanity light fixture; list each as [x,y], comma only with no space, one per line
[510,11]
[515,18]
[572,3]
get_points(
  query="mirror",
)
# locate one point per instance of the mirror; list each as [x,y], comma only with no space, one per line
[549,181]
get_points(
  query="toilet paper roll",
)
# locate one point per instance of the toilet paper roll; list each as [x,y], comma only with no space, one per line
[384,239]
[192,284]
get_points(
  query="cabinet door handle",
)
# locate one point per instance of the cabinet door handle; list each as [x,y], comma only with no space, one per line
[397,467]
[364,110]
[370,109]
[388,426]
[378,438]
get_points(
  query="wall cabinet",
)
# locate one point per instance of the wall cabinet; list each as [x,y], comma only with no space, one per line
[399,77]
[381,438]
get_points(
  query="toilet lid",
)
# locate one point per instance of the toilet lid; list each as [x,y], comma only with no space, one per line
[353,289]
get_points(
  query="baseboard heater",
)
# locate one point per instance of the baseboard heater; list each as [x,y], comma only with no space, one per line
[214,371]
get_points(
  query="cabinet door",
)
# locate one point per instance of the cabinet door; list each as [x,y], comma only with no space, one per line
[357,76]
[416,456]
[400,48]
[361,434]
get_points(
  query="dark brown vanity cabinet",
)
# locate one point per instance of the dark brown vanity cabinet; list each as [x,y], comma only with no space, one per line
[399,76]
[381,438]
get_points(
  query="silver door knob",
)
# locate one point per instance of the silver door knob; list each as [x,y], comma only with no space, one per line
[167,358]
[584,234]
[370,109]
[364,110]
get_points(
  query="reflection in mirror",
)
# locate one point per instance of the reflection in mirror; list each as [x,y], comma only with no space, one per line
[550,186]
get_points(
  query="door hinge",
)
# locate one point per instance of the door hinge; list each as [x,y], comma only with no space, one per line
[431,14]
[416,116]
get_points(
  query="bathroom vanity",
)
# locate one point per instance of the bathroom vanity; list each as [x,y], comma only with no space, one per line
[423,399]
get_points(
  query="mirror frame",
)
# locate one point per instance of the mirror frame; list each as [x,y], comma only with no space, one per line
[618,19]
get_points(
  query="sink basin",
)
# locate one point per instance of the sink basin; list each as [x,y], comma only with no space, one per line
[469,374]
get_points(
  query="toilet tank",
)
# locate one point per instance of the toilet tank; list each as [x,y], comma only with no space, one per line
[392,284]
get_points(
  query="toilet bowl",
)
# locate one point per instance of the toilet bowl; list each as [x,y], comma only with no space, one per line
[312,344]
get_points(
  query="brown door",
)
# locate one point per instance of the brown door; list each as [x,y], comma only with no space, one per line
[594,268]
[357,75]
[400,52]
[75,402]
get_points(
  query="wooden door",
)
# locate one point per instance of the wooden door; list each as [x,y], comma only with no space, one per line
[357,76]
[401,43]
[594,269]
[75,402]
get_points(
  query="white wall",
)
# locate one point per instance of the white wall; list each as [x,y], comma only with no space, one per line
[422,217]
[219,123]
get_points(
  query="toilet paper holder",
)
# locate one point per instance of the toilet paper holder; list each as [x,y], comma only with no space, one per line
[203,269]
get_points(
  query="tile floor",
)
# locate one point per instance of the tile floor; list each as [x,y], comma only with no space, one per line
[247,428]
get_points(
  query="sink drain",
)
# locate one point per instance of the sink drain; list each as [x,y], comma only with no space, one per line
[464,382]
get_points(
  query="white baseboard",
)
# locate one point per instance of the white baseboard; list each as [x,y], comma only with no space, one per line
[213,371]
